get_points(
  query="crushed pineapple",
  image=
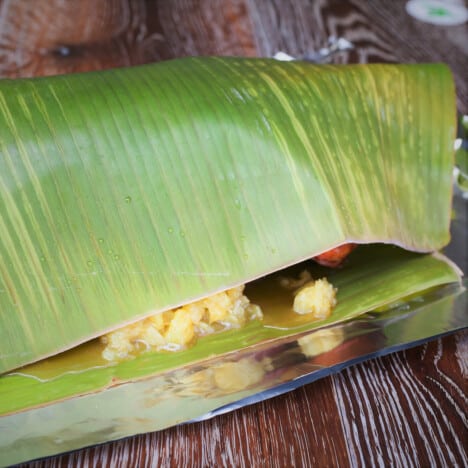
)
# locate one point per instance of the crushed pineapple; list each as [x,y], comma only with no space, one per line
[222,378]
[178,328]
[321,341]
[317,298]
[289,283]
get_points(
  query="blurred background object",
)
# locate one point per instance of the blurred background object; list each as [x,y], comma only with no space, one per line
[442,13]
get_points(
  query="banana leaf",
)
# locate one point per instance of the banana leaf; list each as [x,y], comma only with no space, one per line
[375,277]
[130,191]
[64,403]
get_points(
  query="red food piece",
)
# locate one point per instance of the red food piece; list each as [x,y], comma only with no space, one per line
[335,257]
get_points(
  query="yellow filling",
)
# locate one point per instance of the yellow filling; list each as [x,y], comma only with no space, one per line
[178,328]
[321,341]
[317,298]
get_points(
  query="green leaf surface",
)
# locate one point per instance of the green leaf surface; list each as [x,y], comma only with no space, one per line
[129,191]
[374,277]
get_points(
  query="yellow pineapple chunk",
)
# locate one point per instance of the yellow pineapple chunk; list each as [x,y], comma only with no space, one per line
[317,298]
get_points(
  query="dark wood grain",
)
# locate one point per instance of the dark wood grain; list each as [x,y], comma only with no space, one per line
[60,36]
[39,37]
[191,27]
[414,401]
[381,31]
[407,409]
[48,37]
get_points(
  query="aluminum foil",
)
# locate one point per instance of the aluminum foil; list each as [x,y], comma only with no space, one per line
[234,380]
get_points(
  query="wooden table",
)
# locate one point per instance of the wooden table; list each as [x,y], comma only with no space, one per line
[406,409]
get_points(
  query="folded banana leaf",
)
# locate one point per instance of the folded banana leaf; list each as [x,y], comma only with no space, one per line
[75,399]
[131,191]
[375,277]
